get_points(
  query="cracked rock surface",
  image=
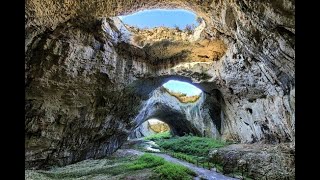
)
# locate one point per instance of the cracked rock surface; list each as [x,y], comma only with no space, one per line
[86,82]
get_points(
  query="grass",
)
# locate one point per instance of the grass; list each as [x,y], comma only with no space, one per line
[190,145]
[189,148]
[170,171]
[192,149]
[158,136]
[154,167]
[164,169]
[111,166]
[146,161]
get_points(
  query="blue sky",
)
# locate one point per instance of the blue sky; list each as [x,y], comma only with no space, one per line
[158,17]
[183,87]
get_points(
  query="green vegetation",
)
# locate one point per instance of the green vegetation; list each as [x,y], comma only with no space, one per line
[191,145]
[164,169]
[158,136]
[170,171]
[146,161]
[194,150]
[189,148]
[146,166]
[89,168]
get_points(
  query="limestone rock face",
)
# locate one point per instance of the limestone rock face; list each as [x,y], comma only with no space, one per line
[143,130]
[257,161]
[74,108]
[87,83]
[182,118]
[149,128]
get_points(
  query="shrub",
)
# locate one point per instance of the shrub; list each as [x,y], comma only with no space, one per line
[163,168]
[192,145]
[199,20]
[138,40]
[176,27]
[158,136]
[170,171]
[189,28]
[146,161]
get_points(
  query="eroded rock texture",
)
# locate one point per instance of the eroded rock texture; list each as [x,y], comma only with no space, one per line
[182,118]
[257,161]
[86,83]
[143,130]
[149,128]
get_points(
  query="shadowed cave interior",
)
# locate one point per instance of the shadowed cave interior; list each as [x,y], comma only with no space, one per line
[93,83]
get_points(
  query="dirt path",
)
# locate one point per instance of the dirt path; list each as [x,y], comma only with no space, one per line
[204,173]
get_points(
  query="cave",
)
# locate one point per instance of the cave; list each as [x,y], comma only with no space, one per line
[150,127]
[202,116]
[90,80]
[170,18]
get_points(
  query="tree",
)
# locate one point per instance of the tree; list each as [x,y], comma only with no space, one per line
[189,29]
[177,27]
[199,19]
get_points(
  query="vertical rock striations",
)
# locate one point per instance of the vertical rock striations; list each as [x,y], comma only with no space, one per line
[86,83]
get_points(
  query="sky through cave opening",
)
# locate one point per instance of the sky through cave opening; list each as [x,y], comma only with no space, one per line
[182,87]
[183,91]
[171,18]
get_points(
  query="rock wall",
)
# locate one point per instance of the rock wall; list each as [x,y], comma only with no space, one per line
[143,130]
[182,118]
[86,83]
[257,161]
[75,96]
[148,128]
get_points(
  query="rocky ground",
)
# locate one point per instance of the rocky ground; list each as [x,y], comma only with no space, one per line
[150,146]
[258,161]
[252,161]
[255,161]
[101,169]
[106,168]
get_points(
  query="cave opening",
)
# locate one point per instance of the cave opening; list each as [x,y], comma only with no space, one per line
[162,28]
[151,127]
[179,19]
[186,106]
[158,126]
[90,82]
[183,91]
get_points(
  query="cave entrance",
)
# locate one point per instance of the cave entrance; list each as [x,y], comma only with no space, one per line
[158,27]
[183,91]
[179,19]
[151,127]
[158,126]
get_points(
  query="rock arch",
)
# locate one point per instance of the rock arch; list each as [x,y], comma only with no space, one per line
[79,100]
[203,118]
